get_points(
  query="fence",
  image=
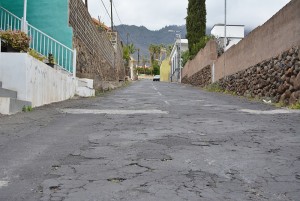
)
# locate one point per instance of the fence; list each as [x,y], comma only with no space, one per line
[42,43]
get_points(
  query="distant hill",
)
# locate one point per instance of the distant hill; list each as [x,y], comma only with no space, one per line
[142,37]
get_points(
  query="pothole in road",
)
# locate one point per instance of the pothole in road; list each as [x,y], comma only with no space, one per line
[55,167]
[116,180]
[166,159]
[54,188]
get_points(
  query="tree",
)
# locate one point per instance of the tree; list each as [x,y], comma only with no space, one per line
[195,24]
[155,52]
[156,68]
[131,48]
[126,55]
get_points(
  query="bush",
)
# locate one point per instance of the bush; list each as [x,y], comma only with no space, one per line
[185,56]
[17,39]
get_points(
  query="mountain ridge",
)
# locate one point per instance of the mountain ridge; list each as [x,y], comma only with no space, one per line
[142,37]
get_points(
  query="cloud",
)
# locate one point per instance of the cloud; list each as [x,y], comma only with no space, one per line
[155,14]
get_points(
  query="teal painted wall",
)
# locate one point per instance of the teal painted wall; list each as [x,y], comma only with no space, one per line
[50,16]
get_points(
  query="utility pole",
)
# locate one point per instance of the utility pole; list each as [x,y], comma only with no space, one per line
[138,57]
[127,38]
[86,4]
[111,14]
[225,26]
[225,38]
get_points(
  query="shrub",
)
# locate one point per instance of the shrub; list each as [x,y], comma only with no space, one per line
[36,55]
[185,57]
[17,39]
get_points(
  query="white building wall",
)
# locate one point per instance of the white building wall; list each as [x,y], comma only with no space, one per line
[231,31]
[35,81]
[174,57]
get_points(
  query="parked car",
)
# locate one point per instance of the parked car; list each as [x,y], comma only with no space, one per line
[156,78]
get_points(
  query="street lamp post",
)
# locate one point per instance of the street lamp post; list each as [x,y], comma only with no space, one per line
[225,26]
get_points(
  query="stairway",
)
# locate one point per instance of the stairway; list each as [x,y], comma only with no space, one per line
[9,104]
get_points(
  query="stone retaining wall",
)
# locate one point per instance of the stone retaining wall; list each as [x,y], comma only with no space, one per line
[277,78]
[279,33]
[96,57]
[201,78]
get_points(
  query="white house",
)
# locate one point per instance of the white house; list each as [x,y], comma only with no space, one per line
[175,58]
[234,33]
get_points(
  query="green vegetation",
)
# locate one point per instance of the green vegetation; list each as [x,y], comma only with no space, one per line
[196,25]
[215,87]
[295,106]
[51,59]
[127,52]
[27,108]
[198,46]
[185,57]
[146,71]
[16,39]
[156,68]
[36,55]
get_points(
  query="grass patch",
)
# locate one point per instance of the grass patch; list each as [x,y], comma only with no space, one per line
[295,106]
[280,104]
[215,87]
[36,55]
[233,93]
[27,108]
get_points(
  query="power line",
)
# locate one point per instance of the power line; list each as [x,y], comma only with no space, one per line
[106,9]
[126,31]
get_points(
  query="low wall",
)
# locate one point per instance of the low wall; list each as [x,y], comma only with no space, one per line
[198,72]
[205,57]
[277,35]
[277,78]
[35,81]
[201,78]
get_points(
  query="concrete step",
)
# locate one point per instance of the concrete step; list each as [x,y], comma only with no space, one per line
[8,93]
[12,105]
[85,92]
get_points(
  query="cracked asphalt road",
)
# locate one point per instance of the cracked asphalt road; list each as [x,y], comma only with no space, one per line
[151,141]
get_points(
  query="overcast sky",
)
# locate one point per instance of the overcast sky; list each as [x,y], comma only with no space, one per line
[155,14]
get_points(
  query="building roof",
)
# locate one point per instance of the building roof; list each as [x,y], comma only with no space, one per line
[228,25]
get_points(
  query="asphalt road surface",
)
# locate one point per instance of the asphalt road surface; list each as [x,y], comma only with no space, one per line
[151,141]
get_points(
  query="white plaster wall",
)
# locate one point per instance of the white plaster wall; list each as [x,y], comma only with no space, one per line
[35,81]
[232,42]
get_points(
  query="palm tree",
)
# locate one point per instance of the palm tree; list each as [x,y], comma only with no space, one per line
[131,48]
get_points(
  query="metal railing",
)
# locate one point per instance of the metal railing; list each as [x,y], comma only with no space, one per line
[42,43]
[46,45]
[9,20]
